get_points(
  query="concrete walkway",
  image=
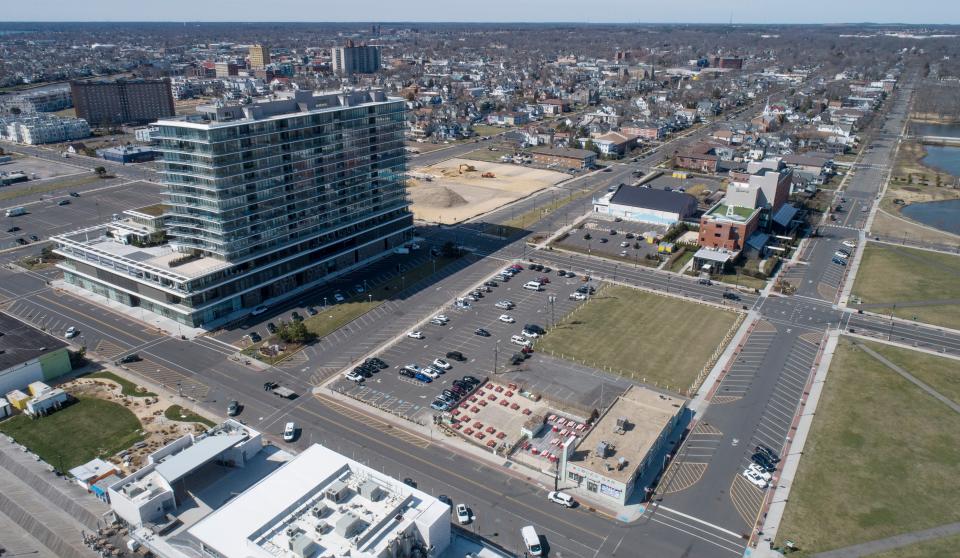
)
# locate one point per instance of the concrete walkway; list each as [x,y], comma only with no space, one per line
[910,378]
[891,543]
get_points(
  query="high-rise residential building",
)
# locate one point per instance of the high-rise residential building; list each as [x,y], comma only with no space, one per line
[111,103]
[350,59]
[263,201]
[259,56]
[226,69]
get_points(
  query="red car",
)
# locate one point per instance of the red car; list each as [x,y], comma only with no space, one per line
[518,267]
[544,280]
[527,350]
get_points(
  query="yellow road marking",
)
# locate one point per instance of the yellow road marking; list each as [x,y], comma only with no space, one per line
[465,479]
[105,324]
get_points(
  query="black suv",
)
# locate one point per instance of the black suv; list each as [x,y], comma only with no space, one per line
[267,386]
[471,380]
[517,359]
[535,328]
[763,461]
[456,355]
[771,455]
[491,284]
[129,358]
[271,328]
[296,316]
[407,373]
[731,295]
[481,332]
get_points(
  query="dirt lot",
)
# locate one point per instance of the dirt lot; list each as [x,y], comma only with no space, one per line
[455,193]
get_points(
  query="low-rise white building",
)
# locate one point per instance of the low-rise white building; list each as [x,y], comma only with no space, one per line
[43,128]
[324,504]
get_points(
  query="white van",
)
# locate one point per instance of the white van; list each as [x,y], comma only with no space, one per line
[15,211]
[518,340]
[532,286]
[531,540]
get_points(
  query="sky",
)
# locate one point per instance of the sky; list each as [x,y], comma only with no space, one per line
[609,11]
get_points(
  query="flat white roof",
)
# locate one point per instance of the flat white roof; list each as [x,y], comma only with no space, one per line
[183,463]
[261,522]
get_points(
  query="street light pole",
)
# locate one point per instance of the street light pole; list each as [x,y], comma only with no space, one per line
[496,351]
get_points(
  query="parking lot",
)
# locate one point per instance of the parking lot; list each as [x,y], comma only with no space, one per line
[595,238]
[96,202]
[411,398]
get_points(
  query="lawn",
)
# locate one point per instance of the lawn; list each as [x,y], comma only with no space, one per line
[656,339]
[486,130]
[882,457]
[179,414]
[682,260]
[895,274]
[936,548]
[127,387]
[76,434]
[939,373]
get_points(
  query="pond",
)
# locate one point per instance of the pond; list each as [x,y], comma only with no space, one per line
[943,215]
[942,158]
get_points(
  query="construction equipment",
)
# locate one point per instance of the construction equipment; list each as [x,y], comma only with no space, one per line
[469,168]
[488,175]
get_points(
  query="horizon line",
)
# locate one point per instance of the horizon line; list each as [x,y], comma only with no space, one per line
[495,22]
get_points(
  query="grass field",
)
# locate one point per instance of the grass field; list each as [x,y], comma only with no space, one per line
[681,261]
[76,434]
[895,275]
[126,386]
[882,457]
[485,130]
[939,373]
[937,548]
[178,413]
[656,339]
[538,213]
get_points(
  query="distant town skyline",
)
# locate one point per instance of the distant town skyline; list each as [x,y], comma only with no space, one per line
[614,11]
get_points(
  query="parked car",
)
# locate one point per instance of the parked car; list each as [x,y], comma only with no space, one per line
[407,373]
[259,310]
[233,408]
[603,240]
[463,514]
[295,316]
[290,432]
[491,284]
[71,332]
[481,332]
[430,372]
[504,304]
[562,498]
[354,377]
[413,368]
[271,327]
[529,334]
[578,296]
[442,364]
[456,355]
[535,328]
[423,377]
[359,288]
[841,254]
[506,318]
[312,311]
[439,405]
[561,273]
[63,202]
[754,478]
[473,380]
[74,195]
[415,335]
[769,453]
[839,261]
[13,229]
[760,459]
[849,244]
[254,337]
[520,340]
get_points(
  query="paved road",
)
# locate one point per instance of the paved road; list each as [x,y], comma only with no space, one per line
[693,527]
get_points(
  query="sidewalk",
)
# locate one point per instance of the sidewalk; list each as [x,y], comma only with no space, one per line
[150,319]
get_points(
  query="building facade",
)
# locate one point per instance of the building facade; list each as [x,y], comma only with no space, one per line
[263,200]
[111,103]
[37,129]
[564,158]
[259,57]
[349,59]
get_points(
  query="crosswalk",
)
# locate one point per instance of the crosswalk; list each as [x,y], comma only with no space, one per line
[168,378]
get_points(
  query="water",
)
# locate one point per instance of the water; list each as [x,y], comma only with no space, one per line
[943,215]
[942,130]
[943,158]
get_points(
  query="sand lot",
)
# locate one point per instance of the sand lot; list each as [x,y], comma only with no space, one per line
[451,196]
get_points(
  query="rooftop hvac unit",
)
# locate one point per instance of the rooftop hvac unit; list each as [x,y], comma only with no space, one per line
[601,450]
[621,463]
